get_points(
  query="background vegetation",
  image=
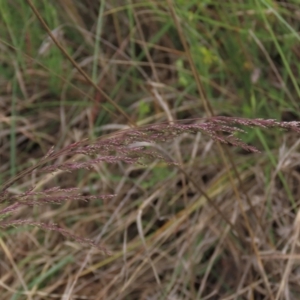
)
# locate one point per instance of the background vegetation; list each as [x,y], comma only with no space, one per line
[157,61]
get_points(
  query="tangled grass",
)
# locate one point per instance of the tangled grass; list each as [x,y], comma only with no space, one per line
[163,211]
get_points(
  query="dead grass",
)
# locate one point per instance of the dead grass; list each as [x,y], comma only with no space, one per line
[167,241]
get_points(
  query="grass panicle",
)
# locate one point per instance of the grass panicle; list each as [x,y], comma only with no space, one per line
[121,147]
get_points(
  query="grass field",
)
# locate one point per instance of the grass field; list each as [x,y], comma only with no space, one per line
[222,223]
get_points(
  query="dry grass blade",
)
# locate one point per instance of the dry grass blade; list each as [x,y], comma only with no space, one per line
[75,64]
